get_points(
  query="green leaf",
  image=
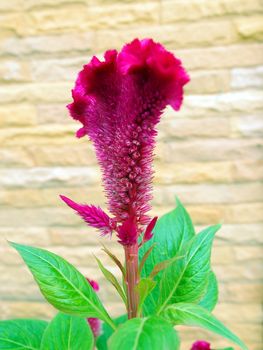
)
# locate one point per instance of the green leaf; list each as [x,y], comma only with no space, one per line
[113,280]
[107,331]
[144,257]
[115,260]
[185,280]
[62,284]
[195,315]
[210,298]
[144,287]
[170,234]
[163,265]
[144,333]
[67,332]
[21,334]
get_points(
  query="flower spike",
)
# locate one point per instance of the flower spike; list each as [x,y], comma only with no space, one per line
[127,232]
[93,216]
[119,102]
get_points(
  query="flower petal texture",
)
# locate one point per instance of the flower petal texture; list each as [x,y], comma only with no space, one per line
[127,232]
[119,102]
[201,345]
[148,234]
[93,216]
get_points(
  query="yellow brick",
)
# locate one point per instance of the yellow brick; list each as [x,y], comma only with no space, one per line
[14,70]
[204,82]
[208,193]
[82,17]
[49,197]
[239,313]
[74,153]
[250,29]
[193,172]
[38,217]
[248,253]
[236,213]
[243,234]
[16,22]
[222,255]
[251,272]
[49,113]
[33,4]
[211,150]
[13,5]
[81,236]
[31,236]
[130,14]
[243,292]
[250,333]
[48,134]
[56,69]
[17,115]
[26,309]
[47,44]
[63,19]
[207,33]
[36,92]
[15,156]
[175,10]
[183,128]
[222,57]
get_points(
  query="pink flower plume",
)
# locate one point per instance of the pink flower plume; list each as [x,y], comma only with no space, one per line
[119,102]
[148,234]
[93,216]
[127,232]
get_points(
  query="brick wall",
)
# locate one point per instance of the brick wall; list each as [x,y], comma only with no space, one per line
[208,154]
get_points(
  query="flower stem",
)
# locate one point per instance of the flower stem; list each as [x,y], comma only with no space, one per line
[132,279]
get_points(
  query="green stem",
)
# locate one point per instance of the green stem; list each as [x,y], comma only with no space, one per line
[132,279]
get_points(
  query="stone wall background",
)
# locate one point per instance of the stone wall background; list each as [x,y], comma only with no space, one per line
[209,154]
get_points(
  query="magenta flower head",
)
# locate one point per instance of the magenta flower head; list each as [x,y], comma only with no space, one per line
[119,102]
[201,345]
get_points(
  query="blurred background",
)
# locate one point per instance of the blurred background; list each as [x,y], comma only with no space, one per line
[209,154]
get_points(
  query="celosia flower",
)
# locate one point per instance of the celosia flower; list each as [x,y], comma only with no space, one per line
[94,323]
[119,102]
[200,345]
[94,216]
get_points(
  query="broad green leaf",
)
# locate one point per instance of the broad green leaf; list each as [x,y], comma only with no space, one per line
[185,280]
[21,334]
[62,284]
[113,280]
[67,332]
[195,315]
[144,287]
[144,333]
[210,298]
[170,234]
[107,331]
